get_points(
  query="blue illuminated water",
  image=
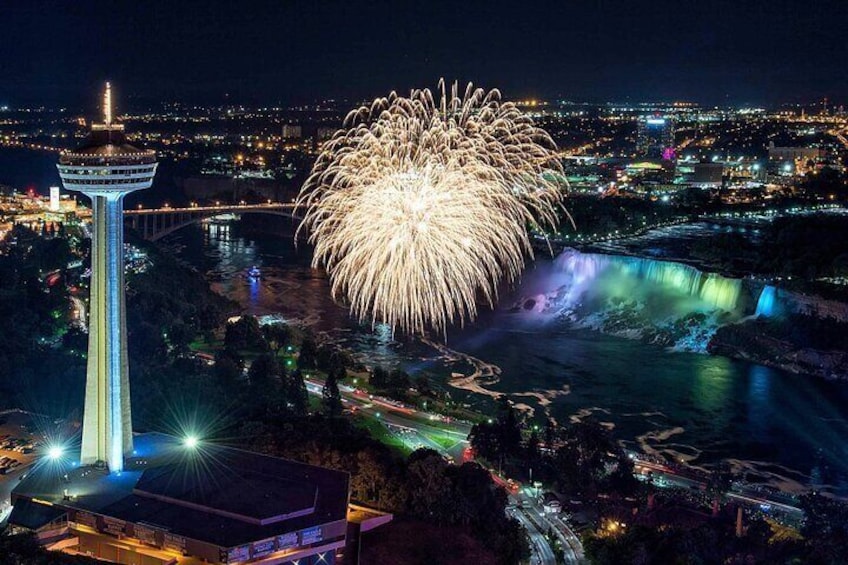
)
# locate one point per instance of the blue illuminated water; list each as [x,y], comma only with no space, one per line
[779,427]
[767,303]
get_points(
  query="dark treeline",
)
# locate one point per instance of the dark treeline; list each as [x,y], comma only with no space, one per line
[807,247]
[37,358]
[821,541]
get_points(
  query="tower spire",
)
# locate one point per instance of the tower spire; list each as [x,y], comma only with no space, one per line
[107,105]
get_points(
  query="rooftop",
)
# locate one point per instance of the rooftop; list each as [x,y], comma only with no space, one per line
[106,142]
[216,494]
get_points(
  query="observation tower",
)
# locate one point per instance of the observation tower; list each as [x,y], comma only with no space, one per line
[106,168]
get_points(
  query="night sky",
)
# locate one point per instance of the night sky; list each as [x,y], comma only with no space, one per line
[709,51]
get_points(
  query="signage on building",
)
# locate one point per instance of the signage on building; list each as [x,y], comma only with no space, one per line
[174,542]
[310,535]
[86,519]
[238,554]
[286,541]
[113,526]
[146,534]
[264,547]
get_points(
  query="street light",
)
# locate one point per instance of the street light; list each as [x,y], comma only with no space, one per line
[191,442]
[55,452]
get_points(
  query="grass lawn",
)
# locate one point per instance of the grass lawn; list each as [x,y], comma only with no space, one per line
[379,432]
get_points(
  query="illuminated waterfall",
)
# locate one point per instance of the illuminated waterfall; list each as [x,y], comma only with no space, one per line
[660,302]
[767,303]
[711,290]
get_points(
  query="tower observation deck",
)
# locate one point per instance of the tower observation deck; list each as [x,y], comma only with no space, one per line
[106,168]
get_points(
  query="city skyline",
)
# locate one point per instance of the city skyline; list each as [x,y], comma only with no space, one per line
[549,283]
[710,52]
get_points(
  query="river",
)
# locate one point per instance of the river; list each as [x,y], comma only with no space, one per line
[782,429]
[787,430]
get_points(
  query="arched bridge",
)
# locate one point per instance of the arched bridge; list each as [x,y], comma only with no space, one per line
[156,223]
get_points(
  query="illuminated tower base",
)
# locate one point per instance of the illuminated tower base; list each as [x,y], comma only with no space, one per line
[106,168]
[107,423]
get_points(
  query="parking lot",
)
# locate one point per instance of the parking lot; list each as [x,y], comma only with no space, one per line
[18,449]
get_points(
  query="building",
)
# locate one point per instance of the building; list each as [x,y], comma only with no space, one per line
[189,502]
[291,131]
[106,168]
[791,154]
[707,175]
[154,499]
[655,138]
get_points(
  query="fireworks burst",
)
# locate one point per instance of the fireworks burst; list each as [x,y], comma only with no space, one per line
[421,206]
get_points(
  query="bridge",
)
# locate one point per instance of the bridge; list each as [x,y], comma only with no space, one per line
[156,223]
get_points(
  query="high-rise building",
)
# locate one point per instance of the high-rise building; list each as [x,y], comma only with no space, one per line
[106,168]
[54,199]
[655,138]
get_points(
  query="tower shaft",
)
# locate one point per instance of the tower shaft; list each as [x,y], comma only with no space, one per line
[107,424]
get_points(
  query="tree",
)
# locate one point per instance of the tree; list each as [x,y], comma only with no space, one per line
[227,371]
[277,336]
[550,433]
[484,441]
[429,488]
[180,336]
[244,334]
[308,356]
[24,549]
[331,395]
[379,378]
[533,453]
[264,370]
[509,431]
[423,386]
[297,394]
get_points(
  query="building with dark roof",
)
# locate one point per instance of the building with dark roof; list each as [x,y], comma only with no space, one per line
[179,504]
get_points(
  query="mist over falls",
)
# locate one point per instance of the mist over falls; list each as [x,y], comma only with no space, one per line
[662,302]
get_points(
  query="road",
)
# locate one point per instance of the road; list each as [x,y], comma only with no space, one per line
[417,428]
[541,550]
[745,495]
[572,548]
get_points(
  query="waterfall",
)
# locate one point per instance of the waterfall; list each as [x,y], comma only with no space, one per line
[713,290]
[767,303]
[661,302]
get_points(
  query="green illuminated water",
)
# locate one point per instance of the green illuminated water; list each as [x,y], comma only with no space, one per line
[781,428]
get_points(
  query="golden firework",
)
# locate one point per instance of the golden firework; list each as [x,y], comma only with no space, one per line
[419,207]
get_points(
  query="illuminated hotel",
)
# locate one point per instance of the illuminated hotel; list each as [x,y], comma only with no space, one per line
[106,169]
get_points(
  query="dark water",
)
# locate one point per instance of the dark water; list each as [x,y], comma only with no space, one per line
[24,169]
[784,429]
